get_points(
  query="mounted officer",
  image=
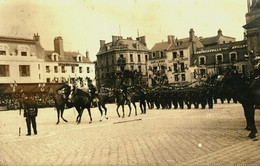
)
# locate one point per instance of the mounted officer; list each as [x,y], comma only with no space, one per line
[30,113]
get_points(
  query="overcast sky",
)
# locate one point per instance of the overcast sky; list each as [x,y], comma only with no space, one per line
[82,23]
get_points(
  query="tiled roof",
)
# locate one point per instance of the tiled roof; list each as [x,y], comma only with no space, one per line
[123,44]
[160,46]
[183,43]
[16,39]
[210,40]
[68,57]
[164,46]
[13,42]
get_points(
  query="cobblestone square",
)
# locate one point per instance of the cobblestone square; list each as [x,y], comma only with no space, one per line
[160,137]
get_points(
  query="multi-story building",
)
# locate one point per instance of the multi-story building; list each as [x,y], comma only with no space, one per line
[171,59]
[121,55]
[218,58]
[21,60]
[174,59]
[252,28]
[62,66]
[25,65]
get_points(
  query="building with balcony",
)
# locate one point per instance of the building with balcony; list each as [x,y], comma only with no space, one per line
[121,56]
[64,66]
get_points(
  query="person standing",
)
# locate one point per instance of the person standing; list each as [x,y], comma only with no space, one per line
[30,114]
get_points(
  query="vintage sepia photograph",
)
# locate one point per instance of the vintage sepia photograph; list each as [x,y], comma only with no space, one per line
[129,82]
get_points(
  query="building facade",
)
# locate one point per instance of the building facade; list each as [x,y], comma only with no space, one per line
[218,58]
[25,63]
[62,66]
[252,28]
[173,61]
[169,61]
[121,56]
[21,60]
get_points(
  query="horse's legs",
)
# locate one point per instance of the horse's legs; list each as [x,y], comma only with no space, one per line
[58,113]
[135,108]
[141,107]
[101,112]
[89,112]
[78,119]
[117,110]
[104,107]
[252,121]
[130,109]
[123,109]
[62,110]
[246,113]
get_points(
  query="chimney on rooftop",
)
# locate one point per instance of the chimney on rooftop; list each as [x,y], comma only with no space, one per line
[87,54]
[102,44]
[220,32]
[36,38]
[192,35]
[171,39]
[141,39]
[58,45]
[115,38]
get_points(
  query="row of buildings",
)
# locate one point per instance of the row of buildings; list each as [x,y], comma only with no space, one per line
[26,62]
[179,61]
[175,61]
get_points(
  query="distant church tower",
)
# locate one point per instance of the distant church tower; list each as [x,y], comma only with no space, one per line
[252,28]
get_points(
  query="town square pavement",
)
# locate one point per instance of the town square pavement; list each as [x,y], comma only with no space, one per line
[160,137]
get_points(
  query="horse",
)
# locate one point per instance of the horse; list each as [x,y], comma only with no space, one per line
[137,94]
[80,100]
[247,91]
[60,99]
[121,100]
[103,97]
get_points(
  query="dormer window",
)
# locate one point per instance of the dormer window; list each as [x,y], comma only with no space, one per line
[233,56]
[219,58]
[161,54]
[23,50]
[55,57]
[80,59]
[4,49]
[137,46]
[2,52]
[202,60]
[23,53]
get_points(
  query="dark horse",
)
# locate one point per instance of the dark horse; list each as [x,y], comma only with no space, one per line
[247,91]
[60,98]
[104,96]
[79,99]
[121,100]
[137,94]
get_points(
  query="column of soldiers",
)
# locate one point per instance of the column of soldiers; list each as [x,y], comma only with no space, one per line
[202,96]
